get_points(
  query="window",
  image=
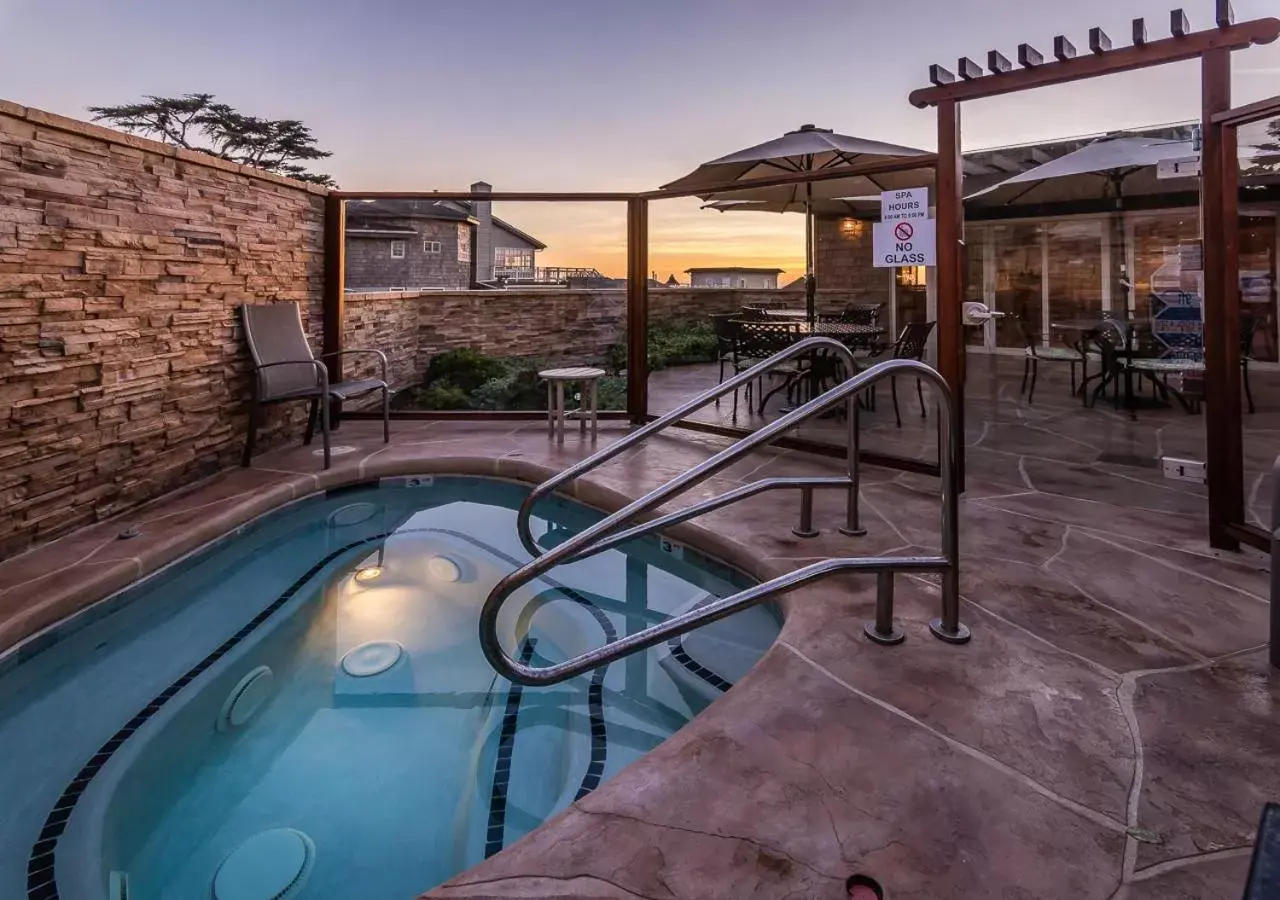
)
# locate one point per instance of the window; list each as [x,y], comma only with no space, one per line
[430,246]
[464,242]
[397,249]
[512,258]
[397,290]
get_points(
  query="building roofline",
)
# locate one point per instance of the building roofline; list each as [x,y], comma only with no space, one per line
[735,269]
[523,235]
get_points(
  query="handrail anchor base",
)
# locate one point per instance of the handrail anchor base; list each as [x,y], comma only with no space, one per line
[960,636]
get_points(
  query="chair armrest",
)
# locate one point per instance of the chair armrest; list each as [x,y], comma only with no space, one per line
[319,367]
[382,357]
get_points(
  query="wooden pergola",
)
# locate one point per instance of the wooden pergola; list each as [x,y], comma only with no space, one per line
[1218,207]
[1218,202]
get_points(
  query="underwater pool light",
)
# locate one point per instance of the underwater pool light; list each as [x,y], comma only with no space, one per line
[367,574]
[442,568]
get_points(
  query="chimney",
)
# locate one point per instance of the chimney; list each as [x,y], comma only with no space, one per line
[483,211]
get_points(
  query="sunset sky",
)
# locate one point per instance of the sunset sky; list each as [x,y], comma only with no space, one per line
[593,94]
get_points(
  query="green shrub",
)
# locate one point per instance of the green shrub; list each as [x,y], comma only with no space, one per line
[517,388]
[466,368]
[466,378]
[669,345]
[438,396]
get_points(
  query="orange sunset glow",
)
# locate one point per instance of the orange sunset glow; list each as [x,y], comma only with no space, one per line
[682,235]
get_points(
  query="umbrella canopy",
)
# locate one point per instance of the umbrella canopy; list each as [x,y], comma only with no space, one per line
[840,206]
[1110,167]
[806,149]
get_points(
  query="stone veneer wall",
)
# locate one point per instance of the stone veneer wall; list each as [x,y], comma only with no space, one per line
[386,322]
[122,365]
[554,325]
[842,260]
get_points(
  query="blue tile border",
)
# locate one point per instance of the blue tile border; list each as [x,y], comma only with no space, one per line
[496,831]
[41,884]
[41,881]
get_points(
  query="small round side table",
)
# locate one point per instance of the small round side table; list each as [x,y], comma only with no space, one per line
[556,379]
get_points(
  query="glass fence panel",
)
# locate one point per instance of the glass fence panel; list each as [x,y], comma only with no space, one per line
[1259,244]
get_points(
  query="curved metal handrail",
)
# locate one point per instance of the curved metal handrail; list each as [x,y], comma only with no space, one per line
[947,627]
[807,345]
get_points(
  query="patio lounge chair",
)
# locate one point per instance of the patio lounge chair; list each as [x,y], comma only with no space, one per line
[285,369]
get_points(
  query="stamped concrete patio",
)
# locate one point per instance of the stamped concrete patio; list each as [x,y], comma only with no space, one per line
[1108,733]
[1054,445]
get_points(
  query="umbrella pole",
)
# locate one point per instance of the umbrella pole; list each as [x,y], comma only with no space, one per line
[810,285]
[1126,277]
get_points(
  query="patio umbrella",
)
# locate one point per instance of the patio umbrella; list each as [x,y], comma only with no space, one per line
[1116,167]
[839,206]
[1112,168]
[806,149]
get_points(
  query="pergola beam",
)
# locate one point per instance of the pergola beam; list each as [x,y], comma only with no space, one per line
[1106,62]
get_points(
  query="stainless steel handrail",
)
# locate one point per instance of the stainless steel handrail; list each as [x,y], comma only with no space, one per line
[800,348]
[946,627]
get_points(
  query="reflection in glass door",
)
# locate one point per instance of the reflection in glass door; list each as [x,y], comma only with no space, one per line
[1074,269]
[1258,287]
[1018,289]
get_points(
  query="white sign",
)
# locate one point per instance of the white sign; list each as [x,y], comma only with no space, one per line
[905,242]
[909,204]
[1180,167]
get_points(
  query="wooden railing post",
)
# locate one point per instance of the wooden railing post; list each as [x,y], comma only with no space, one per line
[1224,461]
[637,310]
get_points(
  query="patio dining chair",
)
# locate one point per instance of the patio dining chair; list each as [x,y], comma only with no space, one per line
[1248,329]
[757,341]
[285,369]
[1037,353]
[1109,343]
[860,314]
[911,344]
[726,332]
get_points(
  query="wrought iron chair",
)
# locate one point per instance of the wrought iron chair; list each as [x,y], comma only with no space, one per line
[726,332]
[757,341]
[1110,342]
[1036,353]
[1248,329]
[861,314]
[285,369]
[911,344]
[726,339]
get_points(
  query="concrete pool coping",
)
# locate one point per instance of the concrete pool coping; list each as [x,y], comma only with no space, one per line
[1109,731]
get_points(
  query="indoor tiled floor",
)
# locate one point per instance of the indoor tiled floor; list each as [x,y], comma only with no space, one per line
[1108,733]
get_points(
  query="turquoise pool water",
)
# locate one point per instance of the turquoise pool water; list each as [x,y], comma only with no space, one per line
[303,710]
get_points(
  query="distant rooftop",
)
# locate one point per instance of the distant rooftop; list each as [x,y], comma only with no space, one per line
[747,269]
[448,210]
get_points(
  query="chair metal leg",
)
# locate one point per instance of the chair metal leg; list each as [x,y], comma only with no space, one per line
[595,410]
[559,412]
[254,409]
[1026,372]
[386,415]
[893,390]
[313,412]
[1248,391]
[1035,373]
[920,395]
[324,428]
[551,410]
